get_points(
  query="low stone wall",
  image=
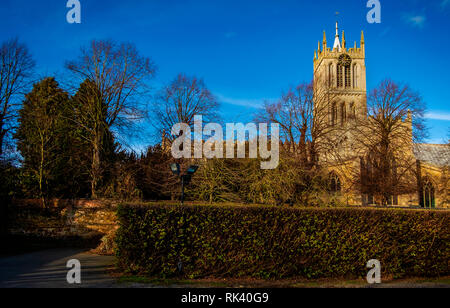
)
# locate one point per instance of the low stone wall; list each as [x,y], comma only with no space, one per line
[67,221]
[65,203]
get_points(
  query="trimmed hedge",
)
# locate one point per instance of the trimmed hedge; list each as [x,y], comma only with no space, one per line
[269,242]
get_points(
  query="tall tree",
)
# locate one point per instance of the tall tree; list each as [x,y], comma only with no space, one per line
[155,179]
[385,139]
[303,115]
[40,132]
[16,68]
[180,101]
[92,131]
[116,74]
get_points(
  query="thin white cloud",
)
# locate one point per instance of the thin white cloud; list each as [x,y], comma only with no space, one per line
[244,102]
[435,115]
[385,32]
[230,34]
[416,20]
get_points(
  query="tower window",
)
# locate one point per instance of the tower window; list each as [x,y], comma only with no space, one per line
[352,111]
[330,75]
[334,115]
[355,76]
[343,114]
[340,82]
[344,71]
[348,78]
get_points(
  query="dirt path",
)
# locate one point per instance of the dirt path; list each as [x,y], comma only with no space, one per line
[47,269]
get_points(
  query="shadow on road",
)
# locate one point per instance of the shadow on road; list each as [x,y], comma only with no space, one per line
[47,269]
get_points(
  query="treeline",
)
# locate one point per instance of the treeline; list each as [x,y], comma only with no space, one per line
[61,159]
[68,142]
[66,139]
[68,146]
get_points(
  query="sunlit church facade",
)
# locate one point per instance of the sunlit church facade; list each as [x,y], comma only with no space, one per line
[340,70]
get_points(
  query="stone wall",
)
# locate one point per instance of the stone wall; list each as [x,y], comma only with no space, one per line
[65,222]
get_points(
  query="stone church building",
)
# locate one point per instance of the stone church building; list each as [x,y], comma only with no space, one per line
[340,74]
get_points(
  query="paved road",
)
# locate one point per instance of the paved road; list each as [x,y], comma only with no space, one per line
[47,269]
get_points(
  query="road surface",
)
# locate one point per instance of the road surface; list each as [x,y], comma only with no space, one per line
[47,269]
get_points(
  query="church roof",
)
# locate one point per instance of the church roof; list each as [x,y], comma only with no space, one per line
[436,154]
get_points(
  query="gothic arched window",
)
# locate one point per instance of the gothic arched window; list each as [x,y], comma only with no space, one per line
[352,110]
[334,183]
[427,198]
[340,82]
[355,76]
[344,71]
[348,77]
[343,114]
[334,115]
[330,75]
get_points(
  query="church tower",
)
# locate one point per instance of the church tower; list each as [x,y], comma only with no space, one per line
[340,72]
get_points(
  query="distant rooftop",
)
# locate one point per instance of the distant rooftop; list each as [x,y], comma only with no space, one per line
[436,154]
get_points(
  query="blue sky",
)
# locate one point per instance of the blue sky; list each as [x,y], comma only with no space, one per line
[248,51]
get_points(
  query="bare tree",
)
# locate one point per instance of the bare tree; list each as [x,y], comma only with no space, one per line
[385,141]
[294,113]
[115,76]
[180,101]
[308,137]
[16,68]
[302,113]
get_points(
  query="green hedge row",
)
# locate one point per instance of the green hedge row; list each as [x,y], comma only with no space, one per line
[270,242]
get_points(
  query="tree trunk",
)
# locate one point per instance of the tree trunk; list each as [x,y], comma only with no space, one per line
[96,168]
[41,174]
[2,137]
